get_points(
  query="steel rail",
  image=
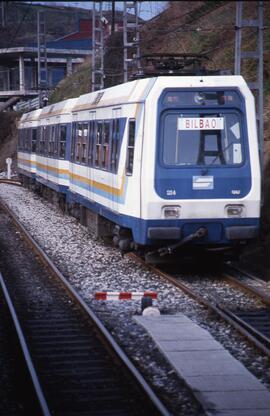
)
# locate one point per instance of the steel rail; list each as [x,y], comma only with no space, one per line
[11,182]
[104,334]
[249,327]
[264,297]
[220,310]
[245,272]
[26,354]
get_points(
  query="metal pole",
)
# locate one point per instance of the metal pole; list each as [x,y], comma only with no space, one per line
[21,73]
[93,46]
[125,42]
[113,17]
[69,65]
[260,85]
[42,57]
[238,38]
[131,38]
[3,23]
[101,50]
[97,47]
[38,45]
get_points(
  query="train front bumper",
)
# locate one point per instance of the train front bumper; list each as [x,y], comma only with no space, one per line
[216,232]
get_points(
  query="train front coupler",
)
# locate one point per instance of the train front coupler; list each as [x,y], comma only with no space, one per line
[201,232]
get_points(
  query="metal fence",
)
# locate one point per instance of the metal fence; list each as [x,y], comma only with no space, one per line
[27,105]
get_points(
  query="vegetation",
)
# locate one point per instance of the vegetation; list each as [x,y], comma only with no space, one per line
[74,85]
[8,135]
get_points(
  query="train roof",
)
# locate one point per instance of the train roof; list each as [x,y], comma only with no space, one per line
[128,92]
[57,109]
[138,90]
[131,92]
[31,116]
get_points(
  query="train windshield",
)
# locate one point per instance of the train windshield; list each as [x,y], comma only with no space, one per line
[201,139]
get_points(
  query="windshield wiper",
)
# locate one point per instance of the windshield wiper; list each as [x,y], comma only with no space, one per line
[205,170]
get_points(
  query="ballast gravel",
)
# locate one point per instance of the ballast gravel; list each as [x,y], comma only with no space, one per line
[218,291]
[91,265]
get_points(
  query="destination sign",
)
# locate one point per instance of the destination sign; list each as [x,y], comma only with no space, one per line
[206,123]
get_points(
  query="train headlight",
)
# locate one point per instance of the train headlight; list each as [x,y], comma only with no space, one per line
[171,211]
[199,98]
[235,211]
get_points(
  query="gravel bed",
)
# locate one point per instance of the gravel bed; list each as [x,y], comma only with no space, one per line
[253,282]
[216,290]
[90,265]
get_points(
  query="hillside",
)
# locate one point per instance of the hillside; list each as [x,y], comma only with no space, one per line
[8,135]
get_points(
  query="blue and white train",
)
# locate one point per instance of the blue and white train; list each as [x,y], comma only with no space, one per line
[156,162]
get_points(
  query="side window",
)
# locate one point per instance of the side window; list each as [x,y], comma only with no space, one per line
[56,141]
[98,143]
[34,141]
[74,129]
[20,139]
[51,134]
[105,145]
[84,142]
[46,139]
[42,140]
[130,147]
[26,139]
[92,133]
[41,135]
[62,141]
[38,139]
[78,142]
[115,145]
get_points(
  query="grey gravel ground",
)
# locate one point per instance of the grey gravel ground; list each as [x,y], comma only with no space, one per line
[90,265]
[217,290]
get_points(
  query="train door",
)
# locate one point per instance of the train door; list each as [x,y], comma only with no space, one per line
[72,165]
[33,149]
[116,176]
[52,159]
[46,148]
[91,152]
[56,146]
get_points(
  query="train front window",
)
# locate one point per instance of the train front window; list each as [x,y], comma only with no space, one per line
[202,139]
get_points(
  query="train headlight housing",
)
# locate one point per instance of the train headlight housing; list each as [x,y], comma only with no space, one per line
[235,211]
[171,211]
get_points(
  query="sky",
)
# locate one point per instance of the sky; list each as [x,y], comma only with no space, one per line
[147,9]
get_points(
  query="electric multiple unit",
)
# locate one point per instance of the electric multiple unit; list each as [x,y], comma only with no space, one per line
[167,160]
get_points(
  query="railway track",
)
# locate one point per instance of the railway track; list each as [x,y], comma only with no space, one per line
[253,322]
[75,365]
[24,362]
[256,322]
[10,181]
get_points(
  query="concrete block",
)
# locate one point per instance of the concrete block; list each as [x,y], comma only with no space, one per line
[225,383]
[190,345]
[178,318]
[171,331]
[255,400]
[221,383]
[238,412]
[205,363]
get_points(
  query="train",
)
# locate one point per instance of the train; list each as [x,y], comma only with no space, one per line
[159,164]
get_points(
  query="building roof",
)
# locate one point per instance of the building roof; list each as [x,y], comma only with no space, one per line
[29,52]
